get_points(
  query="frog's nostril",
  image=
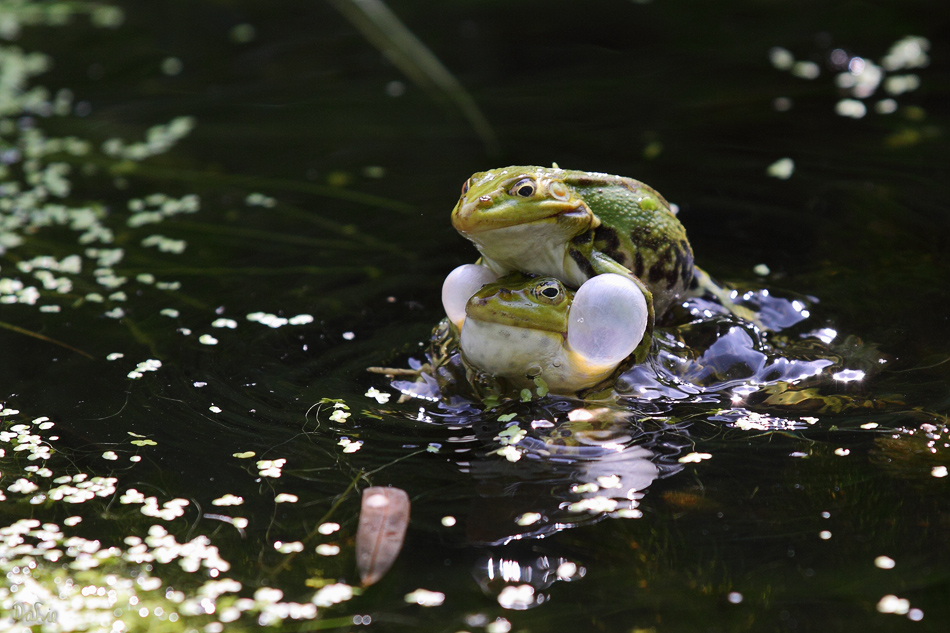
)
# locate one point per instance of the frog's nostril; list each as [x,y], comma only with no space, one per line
[484,201]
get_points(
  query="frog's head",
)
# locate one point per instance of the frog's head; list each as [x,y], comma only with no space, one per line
[515,196]
[520,327]
[536,303]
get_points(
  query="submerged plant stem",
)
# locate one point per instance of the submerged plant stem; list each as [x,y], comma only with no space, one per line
[37,335]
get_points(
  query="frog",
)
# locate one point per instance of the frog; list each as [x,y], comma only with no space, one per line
[574,225]
[532,330]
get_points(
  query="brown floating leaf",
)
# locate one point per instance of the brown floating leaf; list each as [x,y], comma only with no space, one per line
[384,516]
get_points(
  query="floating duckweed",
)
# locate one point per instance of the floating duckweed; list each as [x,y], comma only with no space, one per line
[207,339]
[528,518]
[842,452]
[694,458]
[225,323]
[511,453]
[214,409]
[517,597]
[159,139]
[110,455]
[349,446]
[171,66]
[244,455]
[425,598]
[288,548]
[170,312]
[165,244]
[448,521]
[884,562]
[270,320]
[328,528]
[301,319]
[379,396]
[260,200]
[228,500]
[939,472]
[327,549]
[270,467]
[781,169]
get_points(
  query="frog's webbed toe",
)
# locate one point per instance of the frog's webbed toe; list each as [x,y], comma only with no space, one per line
[608,319]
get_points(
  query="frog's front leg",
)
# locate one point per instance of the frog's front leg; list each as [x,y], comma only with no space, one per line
[705,283]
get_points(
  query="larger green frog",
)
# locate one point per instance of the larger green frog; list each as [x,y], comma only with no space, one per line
[574,225]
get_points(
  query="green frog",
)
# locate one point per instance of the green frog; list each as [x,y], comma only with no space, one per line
[526,329]
[574,225]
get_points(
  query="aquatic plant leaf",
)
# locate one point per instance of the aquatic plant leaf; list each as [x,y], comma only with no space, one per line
[384,516]
[383,29]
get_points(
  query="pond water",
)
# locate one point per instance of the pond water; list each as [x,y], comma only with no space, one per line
[214,216]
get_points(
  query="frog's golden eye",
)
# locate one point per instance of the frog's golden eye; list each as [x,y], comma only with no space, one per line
[524,188]
[466,186]
[549,290]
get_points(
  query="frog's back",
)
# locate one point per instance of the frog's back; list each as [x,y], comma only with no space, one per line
[639,231]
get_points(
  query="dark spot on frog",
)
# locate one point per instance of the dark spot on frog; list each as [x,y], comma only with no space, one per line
[584,238]
[582,263]
[608,242]
[638,265]
[642,237]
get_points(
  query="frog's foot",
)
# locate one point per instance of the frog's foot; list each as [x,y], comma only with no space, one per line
[705,284]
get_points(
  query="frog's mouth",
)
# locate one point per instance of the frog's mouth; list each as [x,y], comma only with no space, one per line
[473,216]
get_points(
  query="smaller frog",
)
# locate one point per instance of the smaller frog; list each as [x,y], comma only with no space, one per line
[523,327]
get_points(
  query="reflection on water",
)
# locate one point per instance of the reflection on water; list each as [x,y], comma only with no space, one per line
[194,278]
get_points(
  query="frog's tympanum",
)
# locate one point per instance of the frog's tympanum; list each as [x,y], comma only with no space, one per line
[574,225]
[522,327]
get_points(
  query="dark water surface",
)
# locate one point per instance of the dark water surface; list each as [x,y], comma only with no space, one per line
[184,307]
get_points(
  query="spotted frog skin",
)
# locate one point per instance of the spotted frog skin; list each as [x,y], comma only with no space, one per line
[574,225]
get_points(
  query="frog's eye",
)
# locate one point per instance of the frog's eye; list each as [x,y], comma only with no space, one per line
[466,186]
[549,290]
[607,319]
[524,188]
